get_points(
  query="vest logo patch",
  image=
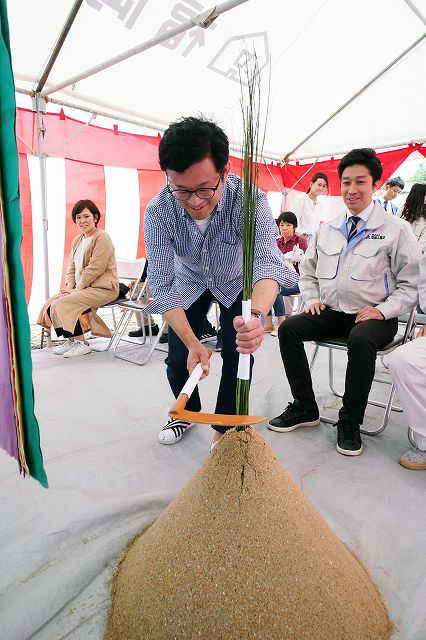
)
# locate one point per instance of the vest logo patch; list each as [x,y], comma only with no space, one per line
[374,236]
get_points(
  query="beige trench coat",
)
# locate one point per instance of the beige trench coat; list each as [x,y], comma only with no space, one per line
[99,276]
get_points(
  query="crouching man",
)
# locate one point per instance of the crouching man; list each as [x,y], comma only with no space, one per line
[193,235]
[360,273]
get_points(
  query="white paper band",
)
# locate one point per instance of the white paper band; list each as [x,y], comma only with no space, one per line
[246,310]
[193,380]
[243,372]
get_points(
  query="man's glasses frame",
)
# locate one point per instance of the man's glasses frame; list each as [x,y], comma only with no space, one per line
[206,193]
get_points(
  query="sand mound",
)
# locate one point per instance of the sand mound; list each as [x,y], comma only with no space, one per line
[241,553]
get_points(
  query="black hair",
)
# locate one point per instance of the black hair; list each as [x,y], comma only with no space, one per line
[415,207]
[366,157]
[397,181]
[86,204]
[317,176]
[190,140]
[287,216]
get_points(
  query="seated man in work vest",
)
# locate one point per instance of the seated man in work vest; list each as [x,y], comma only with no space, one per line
[360,273]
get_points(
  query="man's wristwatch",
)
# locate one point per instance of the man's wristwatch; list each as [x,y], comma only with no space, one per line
[258,314]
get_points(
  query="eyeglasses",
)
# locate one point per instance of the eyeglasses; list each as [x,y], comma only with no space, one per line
[203,194]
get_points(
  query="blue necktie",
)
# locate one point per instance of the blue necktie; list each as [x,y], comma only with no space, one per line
[352,231]
[385,205]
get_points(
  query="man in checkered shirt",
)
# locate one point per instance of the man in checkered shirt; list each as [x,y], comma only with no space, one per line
[193,235]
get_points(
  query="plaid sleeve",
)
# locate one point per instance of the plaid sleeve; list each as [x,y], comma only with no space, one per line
[268,260]
[303,243]
[161,269]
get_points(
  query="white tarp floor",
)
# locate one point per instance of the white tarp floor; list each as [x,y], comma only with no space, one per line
[109,477]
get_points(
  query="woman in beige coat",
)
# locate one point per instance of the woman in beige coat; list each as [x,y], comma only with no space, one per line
[91,281]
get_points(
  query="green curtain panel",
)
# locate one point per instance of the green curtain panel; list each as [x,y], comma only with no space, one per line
[12,286]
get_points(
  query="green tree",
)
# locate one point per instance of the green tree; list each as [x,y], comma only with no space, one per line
[419,175]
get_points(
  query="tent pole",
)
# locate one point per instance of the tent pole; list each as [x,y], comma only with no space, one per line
[155,126]
[416,10]
[203,19]
[73,135]
[394,145]
[58,46]
[232,146]
[354,97]
[39,106]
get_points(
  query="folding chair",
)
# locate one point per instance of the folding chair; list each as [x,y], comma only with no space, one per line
[130,307]
[297,303]
[127,270]
[340,344]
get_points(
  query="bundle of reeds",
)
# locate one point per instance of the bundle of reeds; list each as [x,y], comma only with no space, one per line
[250,107]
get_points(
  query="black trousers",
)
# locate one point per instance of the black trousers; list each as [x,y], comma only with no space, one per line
[363,340]
[177,373]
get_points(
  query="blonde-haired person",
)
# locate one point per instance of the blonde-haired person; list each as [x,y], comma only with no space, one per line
[91,281]
[305,205]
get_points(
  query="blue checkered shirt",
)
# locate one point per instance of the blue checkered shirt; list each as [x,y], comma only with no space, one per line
[182,263]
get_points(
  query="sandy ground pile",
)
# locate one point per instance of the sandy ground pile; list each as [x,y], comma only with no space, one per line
[241,553]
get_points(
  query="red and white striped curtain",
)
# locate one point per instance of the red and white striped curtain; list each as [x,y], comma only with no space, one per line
[119,171]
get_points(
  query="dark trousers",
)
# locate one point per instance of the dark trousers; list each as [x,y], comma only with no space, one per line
[363,340]
[177,373]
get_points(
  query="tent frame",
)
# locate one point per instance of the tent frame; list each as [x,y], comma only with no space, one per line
[204,19]
[373,80]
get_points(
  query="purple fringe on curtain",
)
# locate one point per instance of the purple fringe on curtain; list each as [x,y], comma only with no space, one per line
[8,438]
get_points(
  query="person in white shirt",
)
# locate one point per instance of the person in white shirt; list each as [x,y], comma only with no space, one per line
[392,188]
[407,366]
[414,211]
[306,203]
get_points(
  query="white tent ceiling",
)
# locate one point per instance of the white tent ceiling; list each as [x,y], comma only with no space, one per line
[322,52]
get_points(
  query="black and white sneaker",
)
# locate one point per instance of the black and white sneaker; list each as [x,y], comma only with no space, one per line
[349,441]
[295,416]
[173,431]
[208,332]
[209,336]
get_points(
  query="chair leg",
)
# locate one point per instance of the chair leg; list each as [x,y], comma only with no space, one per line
[314,357]
[411,438]
[114,335]
[153,346]
[45,335]
[388,406]
[331,374]
[217,317]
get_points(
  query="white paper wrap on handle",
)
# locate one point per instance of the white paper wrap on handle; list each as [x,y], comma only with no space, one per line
[243,372]
[193,380]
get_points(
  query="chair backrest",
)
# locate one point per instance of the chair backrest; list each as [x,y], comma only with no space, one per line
[130,269]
